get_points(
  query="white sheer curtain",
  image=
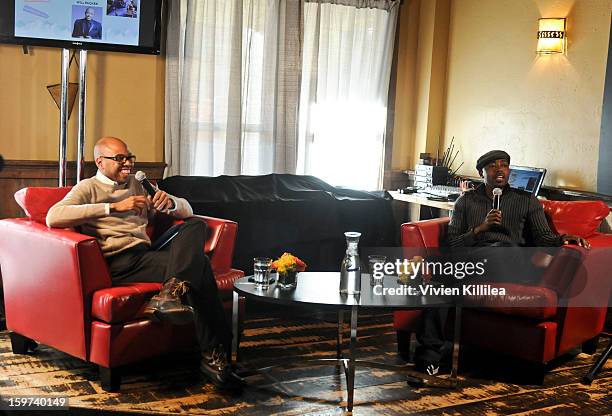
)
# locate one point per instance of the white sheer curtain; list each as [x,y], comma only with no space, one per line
[348,47]
[232,84]
[233,76]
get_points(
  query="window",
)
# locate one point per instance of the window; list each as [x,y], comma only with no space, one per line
[343,106]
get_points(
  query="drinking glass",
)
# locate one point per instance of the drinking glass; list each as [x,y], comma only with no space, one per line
[261,272]
[373,260]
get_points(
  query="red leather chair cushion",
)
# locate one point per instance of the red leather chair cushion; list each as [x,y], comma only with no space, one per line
[121,304]
[407,320]
[36,201]
[580,218]
[125,303]
[533,302]
[523,338]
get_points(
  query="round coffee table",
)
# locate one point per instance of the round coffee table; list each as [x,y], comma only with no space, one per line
[321,289]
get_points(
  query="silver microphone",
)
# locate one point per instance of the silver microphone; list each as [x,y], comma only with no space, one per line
[142,178]
[496,197]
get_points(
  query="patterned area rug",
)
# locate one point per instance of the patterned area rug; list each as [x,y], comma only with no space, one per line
[489,385]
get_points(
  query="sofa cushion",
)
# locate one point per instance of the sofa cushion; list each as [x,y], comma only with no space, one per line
[581,218]
[520,300]
[36,201]
[122,303]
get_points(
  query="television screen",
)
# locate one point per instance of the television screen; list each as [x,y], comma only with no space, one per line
[110,25]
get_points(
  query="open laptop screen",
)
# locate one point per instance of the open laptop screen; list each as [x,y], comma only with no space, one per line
[526,178]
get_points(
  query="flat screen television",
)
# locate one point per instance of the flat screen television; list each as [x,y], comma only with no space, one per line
[105,25]
[526,178]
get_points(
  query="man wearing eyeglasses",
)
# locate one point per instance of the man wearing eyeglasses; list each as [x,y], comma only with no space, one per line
[114,208]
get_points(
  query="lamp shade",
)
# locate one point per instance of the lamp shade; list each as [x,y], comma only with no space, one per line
[551,36]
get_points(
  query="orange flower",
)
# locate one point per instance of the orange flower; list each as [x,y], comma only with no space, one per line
[288,263]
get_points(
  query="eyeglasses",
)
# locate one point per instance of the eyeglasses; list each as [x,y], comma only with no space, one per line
[121,158]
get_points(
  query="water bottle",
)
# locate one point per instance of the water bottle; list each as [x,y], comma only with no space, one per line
[350,269]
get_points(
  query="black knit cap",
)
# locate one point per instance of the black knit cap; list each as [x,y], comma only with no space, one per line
[491,156]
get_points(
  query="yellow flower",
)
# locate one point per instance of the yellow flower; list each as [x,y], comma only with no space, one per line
[288,263]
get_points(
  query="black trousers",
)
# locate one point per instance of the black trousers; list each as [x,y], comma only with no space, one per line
[183,258]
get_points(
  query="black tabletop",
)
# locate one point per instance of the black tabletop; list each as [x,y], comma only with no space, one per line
[322,288]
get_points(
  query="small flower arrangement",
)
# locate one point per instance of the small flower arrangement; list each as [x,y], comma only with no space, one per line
[288,263]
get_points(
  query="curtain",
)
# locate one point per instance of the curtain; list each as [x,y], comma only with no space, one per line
[236,71]
[348,48]
[372,4]
[232,85]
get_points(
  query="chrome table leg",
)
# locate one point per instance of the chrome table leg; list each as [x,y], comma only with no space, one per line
[235,327]
[339,338]
[456,338]
[350,380]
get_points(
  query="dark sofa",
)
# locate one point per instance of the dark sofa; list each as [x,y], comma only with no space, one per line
[299,214]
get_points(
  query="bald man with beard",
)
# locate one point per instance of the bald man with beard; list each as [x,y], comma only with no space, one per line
[114,208]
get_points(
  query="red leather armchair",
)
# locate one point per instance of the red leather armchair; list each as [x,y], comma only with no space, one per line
[58,290]
[547,328]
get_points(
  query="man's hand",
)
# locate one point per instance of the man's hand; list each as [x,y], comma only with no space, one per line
[133,203]
[574,239]
[161,201]
[494,217]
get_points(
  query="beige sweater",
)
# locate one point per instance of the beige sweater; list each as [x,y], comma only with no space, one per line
[87,206]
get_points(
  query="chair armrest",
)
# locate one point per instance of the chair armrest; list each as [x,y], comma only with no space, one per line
[220,242]
[581,276]
[425,234]
[587,299]
[587,296]
[562,269]
[600,240]
[49,278]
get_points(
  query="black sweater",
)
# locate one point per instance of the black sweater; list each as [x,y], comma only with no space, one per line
[523,220]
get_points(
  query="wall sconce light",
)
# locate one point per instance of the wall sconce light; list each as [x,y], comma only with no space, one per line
[551,36]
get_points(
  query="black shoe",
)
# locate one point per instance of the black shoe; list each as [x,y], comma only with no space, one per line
[431,368]
[433,361]
[167,305]
[217,369]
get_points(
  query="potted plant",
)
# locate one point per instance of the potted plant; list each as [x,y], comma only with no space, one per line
[288,267]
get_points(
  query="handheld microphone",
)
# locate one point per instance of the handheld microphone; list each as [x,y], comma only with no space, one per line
[496,197]
[142,178]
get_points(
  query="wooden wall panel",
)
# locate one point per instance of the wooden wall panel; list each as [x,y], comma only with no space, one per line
[18,174]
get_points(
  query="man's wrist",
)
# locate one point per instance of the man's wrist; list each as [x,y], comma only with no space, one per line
[173,204]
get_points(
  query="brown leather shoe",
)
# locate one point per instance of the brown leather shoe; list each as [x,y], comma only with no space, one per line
[167,305]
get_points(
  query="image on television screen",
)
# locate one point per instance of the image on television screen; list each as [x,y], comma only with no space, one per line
[122,8]
[104,21]
[85,24]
